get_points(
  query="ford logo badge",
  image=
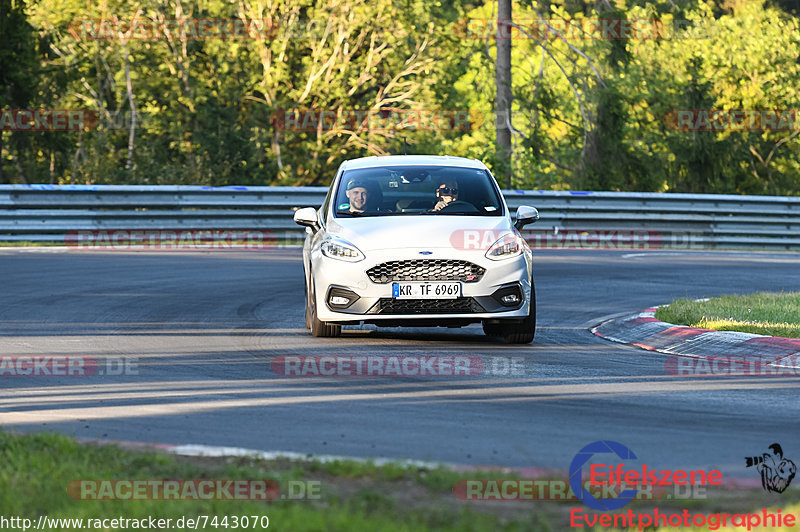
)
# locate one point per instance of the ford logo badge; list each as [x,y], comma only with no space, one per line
[426,252]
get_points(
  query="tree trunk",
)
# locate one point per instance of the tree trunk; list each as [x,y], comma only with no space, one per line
[18,165]
[2,180]
[129,90]
[503,83]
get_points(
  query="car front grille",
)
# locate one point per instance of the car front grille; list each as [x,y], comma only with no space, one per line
[426,270]
[461,305]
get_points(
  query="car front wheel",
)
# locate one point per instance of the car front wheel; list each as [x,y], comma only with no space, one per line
[520,332]
[320,328]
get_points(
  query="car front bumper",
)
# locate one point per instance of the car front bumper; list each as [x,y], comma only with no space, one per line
[374,304]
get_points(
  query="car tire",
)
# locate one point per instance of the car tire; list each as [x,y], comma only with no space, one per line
[492,329]
[524,331]
[308,306]
[321,328]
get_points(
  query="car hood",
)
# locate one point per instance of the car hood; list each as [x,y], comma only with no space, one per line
[430,231]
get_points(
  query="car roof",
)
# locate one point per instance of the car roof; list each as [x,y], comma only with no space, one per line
[412,160]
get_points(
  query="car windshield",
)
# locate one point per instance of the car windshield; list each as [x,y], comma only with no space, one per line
[417,190]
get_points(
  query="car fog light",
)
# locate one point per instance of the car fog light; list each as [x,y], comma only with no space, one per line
[509,295]
[340,298]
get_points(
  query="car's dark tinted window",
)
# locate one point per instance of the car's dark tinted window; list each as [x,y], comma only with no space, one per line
[409,190]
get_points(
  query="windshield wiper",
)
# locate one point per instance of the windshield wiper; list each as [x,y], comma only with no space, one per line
[353,213]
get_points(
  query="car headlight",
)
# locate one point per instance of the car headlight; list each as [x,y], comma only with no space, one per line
[337,248]
[507,246]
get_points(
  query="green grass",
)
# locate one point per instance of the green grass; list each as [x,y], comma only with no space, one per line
[771,314]
[35,471]
[27,243]
[437,479]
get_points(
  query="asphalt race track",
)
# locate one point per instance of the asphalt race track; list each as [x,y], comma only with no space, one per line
[199,330]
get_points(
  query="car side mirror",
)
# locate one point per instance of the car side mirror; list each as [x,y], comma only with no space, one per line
[525,215]
[307,216]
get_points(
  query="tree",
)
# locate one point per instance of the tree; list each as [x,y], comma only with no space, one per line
[504,94]
[18,71]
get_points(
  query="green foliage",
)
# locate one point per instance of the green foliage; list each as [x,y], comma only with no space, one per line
[587,113]
[18,61]
[19,70]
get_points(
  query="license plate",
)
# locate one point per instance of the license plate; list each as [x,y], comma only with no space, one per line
[446,290]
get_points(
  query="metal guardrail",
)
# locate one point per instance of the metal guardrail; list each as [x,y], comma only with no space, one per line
[46,213]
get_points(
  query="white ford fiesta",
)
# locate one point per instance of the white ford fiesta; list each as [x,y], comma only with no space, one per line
[418,241]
